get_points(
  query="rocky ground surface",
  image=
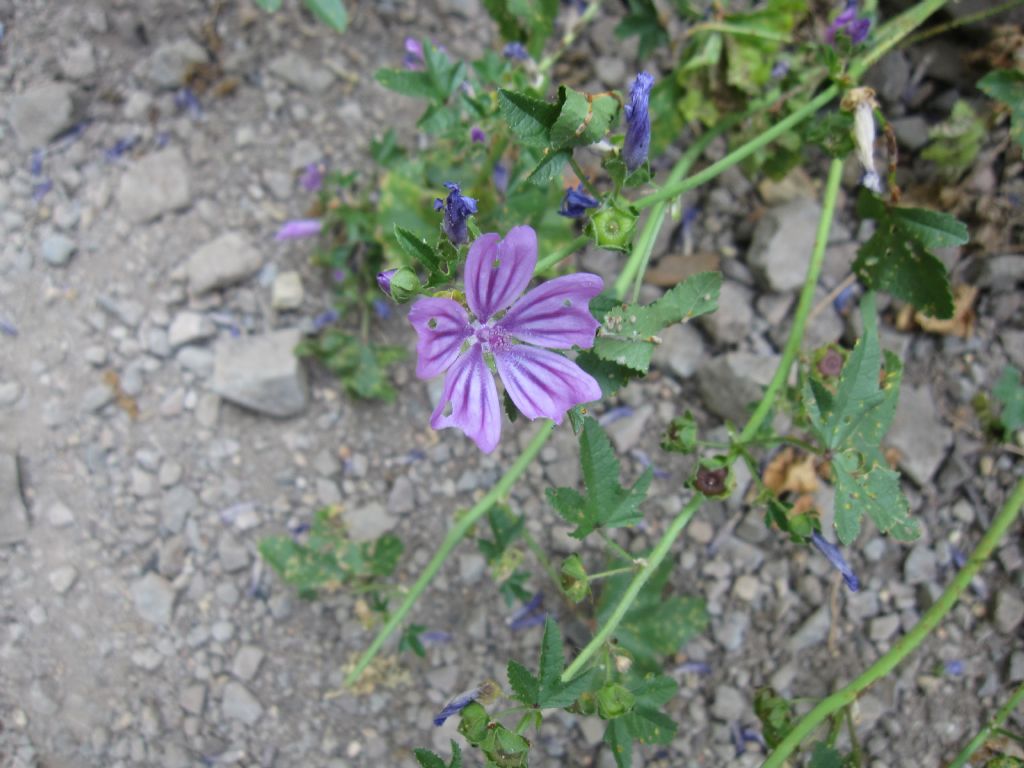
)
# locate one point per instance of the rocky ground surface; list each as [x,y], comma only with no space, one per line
[138,627]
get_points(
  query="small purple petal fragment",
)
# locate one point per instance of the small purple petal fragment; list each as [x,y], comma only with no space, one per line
[470,401]
[847,23]
[121,147]
[442,327]
[500,178]
[844,300]
[456,705]
[381,308]
[736,736]
[186,100]
[780,69]
[40,190]
[36,163]
[958,557]
[477,135]
[954,668]
[324,319]
[700,668]
[638,123]
[297,229]
[645,461]
[413,58]
[834,556]
[530,615]
[576,202]
[8,328]
[435,637]
[515,51]
[384,280]
[338,275]
[752,735]
[312,177]
[614,414]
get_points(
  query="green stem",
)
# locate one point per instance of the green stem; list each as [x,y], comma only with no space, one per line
[566,250]
[583,177]
[739,31]
[855,753]
[806,303]
[993,725]
[740,153]
[892,32]
[653,561]
[636,265]
[843,698]
[612,572]
[970,18]
[617,548]
[455,535]
[569,37]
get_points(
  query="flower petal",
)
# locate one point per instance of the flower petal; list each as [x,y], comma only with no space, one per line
[470,390]
[555,314]
[442,326]
[543,383]
[498,271]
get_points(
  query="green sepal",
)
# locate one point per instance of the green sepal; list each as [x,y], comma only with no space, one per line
[680,435]
[573,578]
[612,226]
[473,723]
[614,700]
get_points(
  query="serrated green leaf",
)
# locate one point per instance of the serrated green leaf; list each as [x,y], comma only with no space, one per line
[417,249]
[549,169]
[864,483]
[529,118]
[620,741]
[445,74]
[419,85]
[833,133]
[1007,85]
[428,759]
[584,118]
[330,12]
[525,687]
[552,657]
[438,120]
[775,714]
[627,335]
[895,259]
[824,756]
[607,504]
[1009,391]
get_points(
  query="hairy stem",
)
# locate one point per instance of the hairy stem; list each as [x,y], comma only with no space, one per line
[566,250]
[803,308]
[653,561]
[583,177]
[993,725]
[842,698]
[455,535]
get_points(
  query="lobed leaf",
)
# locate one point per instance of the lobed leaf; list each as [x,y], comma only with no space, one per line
[1007,85]
[584,118]
[330,12]
[529,118]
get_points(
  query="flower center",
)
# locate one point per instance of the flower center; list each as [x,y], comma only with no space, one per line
[492,339]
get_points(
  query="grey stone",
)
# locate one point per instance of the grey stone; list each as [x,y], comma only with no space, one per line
[170,557]
[884,627]
[127,311]
[729,382]
[326,464]
[178,503]
[41,113]
[77,60]
[1007,611]
[610,70]
[196,359]
[10,393]
[731,631]
[57,250]
[96,398]
[155,185]
[247,662]
[921,565]
[154,599]
[232,553]
[782,243]
[287,292]
[300,72]
[681,350]
[63,579]
[240,704]
[626,432]
[729,705]
[222,631]
[812,632]
[13,515]
[192,699]
[730,323]
[148,659]
[890,76]
[921,438]
[402,498]
[369,522]
[189,327]
[911,131]
[471,567]
[170,63]
[1017,667]
[1002,273]
[59,516]
[262,373]
[226,260]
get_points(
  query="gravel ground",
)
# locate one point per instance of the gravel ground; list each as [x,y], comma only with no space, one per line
[137,625]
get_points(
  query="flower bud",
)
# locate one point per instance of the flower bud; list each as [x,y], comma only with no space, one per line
[401,284]
[612,227]
[614,700]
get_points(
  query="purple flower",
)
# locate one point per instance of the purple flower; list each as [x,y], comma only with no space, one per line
[413,58]
[693,667]
[848,23]
[516,50]
[576,202]
[312,178]
[457,209]
[36,163]
[532,614]
[338,275]
[638,123]
[121,147]
[486,690]
[186,100]
[954,668]
[540,382]
[39,190]
[299,228]
[834,556]
[477,135]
